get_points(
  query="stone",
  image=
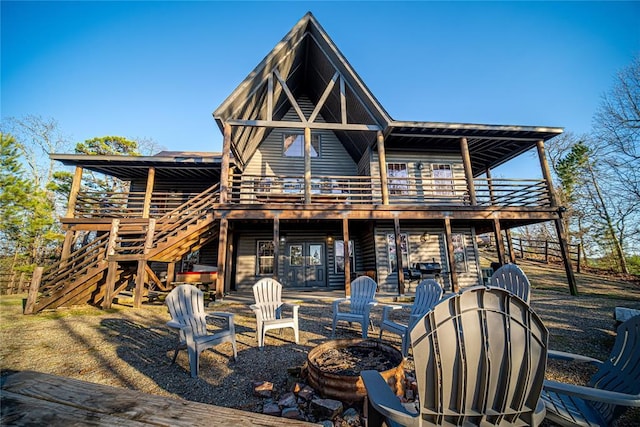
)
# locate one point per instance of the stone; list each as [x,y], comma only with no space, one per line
[351,417]
[292,413]
[271,409]
[326,423]
[306,393]
[288,400]
[262,388]
[325,408]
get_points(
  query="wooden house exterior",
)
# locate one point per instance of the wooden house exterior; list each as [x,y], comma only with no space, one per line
[315,185]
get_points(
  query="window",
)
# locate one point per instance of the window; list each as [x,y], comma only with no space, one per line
[296,257]
[338,246]
[315,255]
[265,257]
[442,180]
[459,253]
[293,145]
[391,247]
[398,174]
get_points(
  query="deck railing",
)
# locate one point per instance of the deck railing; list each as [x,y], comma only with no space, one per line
[101,204]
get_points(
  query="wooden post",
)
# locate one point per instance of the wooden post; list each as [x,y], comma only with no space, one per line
[67,244]
[307,165]
[512,253]
[578,263]
[151,229]
[140,278]
[399,261]
[499,242]
[146,207]
[73,193]
[110,284]
[171,272]
[224,166]
[222,256]
[455,286]
[564,248]
[546,252]
[382,162]
[468,172]
[276,247]
[546,173]
[347,258]
[33,290]
[492,196]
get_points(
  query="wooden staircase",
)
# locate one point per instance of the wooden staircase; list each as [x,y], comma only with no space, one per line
[98,271]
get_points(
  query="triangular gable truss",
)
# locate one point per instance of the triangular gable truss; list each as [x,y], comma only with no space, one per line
[305,63]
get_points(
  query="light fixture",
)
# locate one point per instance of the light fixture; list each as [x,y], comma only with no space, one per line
[329,239]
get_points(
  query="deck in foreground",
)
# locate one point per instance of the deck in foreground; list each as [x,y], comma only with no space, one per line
[33,398]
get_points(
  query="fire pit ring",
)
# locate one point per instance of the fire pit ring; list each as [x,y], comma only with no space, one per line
[348,386]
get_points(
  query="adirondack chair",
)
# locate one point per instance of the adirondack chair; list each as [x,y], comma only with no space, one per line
[428,293]
[513,279]
[186,306]
[610,391]
[480,359]
[268,309]
[357,307]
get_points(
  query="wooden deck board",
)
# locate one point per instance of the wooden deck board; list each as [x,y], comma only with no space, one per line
[33,398]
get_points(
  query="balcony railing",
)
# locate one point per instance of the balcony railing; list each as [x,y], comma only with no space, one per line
[100,204]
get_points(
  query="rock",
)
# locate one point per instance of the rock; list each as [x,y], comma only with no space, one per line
[351,417]
[288,400]
[325,408]
[306,393]
[271,409]
[262,388]
[292,413]
[326,423]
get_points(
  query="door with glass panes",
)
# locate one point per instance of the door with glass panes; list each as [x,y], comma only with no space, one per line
[305,264]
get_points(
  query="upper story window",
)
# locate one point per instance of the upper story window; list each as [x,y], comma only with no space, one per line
[293,145]
[398,174]
[443,179]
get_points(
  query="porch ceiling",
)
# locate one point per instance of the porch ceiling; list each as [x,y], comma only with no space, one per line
[489,145]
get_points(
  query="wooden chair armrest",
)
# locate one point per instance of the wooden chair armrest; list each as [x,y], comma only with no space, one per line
[593,394]
[571,357]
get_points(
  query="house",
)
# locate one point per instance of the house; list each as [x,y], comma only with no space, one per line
[316,184]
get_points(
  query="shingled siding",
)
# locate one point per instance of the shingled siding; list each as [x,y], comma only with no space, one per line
[269,158]
[426,244]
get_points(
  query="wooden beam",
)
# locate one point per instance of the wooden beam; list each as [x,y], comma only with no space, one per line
[497,230]
[382,164]
[301,125]
[468,172]
[399,261]
[566,256]
[323,98]
[222,257]
[512,254]
[276,247]
[171,272]
[343,103]
[140,279]
[453,275]
[347,260]
[307,166]
[492,196]
[224,165]
[546,172]
[110,284]
[73,193]
[270,97]
[146,207]
[67,244]
[289,94]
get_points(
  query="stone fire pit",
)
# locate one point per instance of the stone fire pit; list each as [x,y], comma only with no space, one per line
[333,368]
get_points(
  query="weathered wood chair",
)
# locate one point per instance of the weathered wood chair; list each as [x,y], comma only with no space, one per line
[480,359]
[188,317]
[357,307]
[427,295]
[268,309]
[610,391]
[513,279]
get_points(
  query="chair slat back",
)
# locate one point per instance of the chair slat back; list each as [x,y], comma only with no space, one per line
[363,291]
[480,358]
[186,305]
[268,296]
[513,279]
[428,294]
[621,371]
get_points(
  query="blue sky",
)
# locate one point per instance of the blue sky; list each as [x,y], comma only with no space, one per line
[158,69]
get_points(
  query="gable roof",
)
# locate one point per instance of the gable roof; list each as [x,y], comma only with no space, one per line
[305,62]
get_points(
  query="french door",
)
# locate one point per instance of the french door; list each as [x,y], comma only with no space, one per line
[305,264]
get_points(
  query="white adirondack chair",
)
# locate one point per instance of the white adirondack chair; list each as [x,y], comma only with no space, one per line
[480,359]
[513,279]
[357,307]
[186,306]
[268,309]
[428,294]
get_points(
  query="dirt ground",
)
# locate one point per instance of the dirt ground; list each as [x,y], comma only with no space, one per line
[132,348]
